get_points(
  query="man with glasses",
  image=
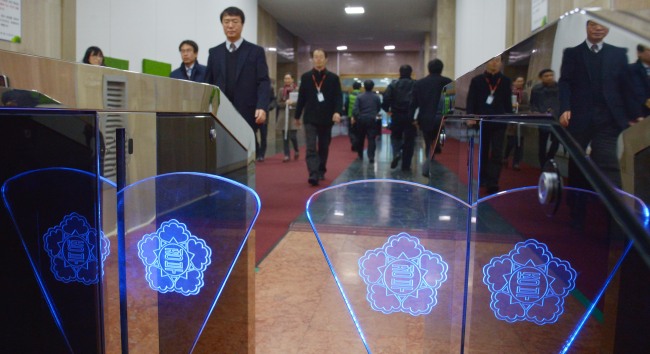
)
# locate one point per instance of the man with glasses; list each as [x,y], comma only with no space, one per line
[190,69]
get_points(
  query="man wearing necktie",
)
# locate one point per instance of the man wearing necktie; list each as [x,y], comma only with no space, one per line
[190,68]
[239,69]
[594,102]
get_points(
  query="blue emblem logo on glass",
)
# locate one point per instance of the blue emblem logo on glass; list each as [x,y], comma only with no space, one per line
[175,260]
[402,276]
[72,247]
[528,284]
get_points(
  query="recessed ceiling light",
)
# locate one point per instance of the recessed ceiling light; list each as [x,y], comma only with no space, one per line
[342,47]
[354,10]
[389,47]
[273,49]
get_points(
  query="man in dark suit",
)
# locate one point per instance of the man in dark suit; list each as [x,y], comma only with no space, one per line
[593,85]
[321,100]
[190,68]
[640,77]
[239,69]
[426,98]
[490,94]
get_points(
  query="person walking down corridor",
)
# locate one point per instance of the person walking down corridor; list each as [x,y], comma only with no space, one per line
[397,99]
[320,104]
[239,69]
[426,99]
[285,123]
[364,116]
[489,94]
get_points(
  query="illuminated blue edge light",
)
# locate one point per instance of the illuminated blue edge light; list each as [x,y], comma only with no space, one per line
[322,247]
[561,265]
[258,205]
[174,233]
[385,251]
[592,307]
[645,214]
[39,280]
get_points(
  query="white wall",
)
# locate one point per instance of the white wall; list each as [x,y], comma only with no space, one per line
[480,32]
[153,29]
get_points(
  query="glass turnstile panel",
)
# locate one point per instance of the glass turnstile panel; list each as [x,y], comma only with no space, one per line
[421,271]
[57,216]
[184,232]
[397,251]
[448,171]
[540,278]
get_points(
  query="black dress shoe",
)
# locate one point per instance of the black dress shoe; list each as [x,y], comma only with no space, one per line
[321,176]
[395,161]
[313,181]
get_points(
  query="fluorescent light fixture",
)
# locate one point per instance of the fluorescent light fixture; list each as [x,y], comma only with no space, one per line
[354,10]
[273,49]
[342,47]
[389,47]
[434,47]
[444,217]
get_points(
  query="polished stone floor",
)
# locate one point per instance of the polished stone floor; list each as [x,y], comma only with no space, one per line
[299,307]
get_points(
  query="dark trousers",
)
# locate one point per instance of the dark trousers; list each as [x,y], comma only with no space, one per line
[317,141]
[543,153]
[353,134]
[492,136]
[402,139]
[260,146]
[366,128]
[517,146]
[429,137]
[603,139]
[292,135]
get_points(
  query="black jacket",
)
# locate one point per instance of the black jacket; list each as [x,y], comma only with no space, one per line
[319,113]
[479,90]
[426,97]
[198,73]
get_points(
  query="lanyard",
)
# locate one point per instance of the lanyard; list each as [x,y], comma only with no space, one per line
[493,89]
[320,84]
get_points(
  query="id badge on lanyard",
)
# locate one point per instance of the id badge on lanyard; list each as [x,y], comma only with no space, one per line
[318,85]
[493,89]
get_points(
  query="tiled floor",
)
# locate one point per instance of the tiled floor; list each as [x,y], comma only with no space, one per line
[299,308]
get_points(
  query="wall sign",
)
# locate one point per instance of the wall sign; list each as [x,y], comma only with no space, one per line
[10,20]
[538,14]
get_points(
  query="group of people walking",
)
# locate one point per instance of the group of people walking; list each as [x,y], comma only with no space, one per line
[589,101]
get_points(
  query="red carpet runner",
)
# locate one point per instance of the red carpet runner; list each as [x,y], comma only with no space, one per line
[283,190]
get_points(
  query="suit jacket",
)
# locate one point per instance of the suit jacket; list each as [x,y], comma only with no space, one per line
[641,88]
[426,97]
[252,87]
[198,73]
[575,86]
